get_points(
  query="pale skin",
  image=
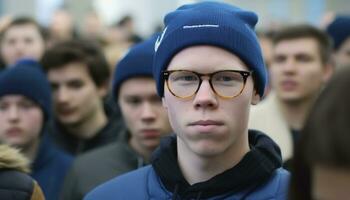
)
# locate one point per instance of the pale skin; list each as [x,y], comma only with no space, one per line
[21,122]
[297,77]
[77,100]
[207,150]
[144,115]
[22,41]
[342,55]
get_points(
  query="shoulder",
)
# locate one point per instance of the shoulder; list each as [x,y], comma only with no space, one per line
[122,185]
[276,187]
[12,182]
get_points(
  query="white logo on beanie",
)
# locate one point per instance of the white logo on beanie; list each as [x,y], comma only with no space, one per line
[159,40]
[201,26]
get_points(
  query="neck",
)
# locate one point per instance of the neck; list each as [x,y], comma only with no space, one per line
[296,113]
[197,168]
[30,151]
[90,126]
[144,152]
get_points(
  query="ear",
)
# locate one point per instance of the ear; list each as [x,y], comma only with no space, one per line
[328,70]
[103,89]
[164,103]
[255,97]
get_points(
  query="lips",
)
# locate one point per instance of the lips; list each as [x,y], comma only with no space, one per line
[289,85]
[65,111]
[206,123]
[15,131]
[150,133]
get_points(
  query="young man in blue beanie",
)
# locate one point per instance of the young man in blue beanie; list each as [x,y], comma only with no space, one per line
[25,109]
[209,70]
[339,30]
[146,122]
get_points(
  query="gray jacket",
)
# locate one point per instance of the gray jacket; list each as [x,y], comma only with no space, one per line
[98,166]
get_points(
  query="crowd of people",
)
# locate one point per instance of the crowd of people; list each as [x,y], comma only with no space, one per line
[207,108]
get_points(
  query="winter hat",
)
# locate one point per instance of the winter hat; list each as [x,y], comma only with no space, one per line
[138,61]
[210,23]
[26,78]
[339,30]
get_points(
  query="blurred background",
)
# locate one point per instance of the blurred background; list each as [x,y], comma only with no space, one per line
[147,15]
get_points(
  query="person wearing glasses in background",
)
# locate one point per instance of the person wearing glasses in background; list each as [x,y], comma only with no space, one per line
[209,70]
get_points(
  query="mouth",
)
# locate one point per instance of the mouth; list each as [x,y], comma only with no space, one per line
[65,111]
[15,131]
[150,133]
[289,85]
[206,123]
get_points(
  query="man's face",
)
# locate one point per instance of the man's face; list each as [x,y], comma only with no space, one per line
[297,72]
[76,97]
[21,121]
[206,124]
[143,113]
[342,55]
[22,41]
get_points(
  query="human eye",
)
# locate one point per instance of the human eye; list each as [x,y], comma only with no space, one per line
[3,106]
[227,78]
[132,100]
[184,77]
[27,104]
[304,58]
[76,84]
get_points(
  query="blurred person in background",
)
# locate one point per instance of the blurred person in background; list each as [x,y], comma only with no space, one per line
[321,168]
[61,27]
[339,30]
[22,38]
[145,119]
[15,184]
[25,110]
[265,41]
[79,77]
[300,68]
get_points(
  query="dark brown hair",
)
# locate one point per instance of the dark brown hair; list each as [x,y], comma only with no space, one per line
[82,51]
[307,31]
[325,138]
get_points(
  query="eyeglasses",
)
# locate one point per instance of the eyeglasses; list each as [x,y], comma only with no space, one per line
[227,84]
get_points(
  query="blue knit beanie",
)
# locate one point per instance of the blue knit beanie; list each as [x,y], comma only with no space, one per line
[210,23]
[339,30]
[26,78]
[138,61]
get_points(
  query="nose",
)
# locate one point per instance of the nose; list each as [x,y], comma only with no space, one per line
[205,97]
[62,95]
[13,113]
[289,66]
[148,113]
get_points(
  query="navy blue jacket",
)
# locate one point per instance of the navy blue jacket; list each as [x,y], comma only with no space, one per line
[50,167]
[258,176]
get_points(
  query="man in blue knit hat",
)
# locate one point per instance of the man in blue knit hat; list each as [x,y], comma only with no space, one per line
[146,122]
[339,30]
[209,70]
[25,109]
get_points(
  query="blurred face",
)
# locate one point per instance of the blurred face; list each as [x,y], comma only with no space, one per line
[21,121]
[297,72]
[22,41]
[330,183]
[342,56]
[76,97]
[143,113]
[206,124]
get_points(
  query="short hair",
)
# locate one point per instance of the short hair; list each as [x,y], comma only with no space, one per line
[23,20]
[307,31]
[82,51]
